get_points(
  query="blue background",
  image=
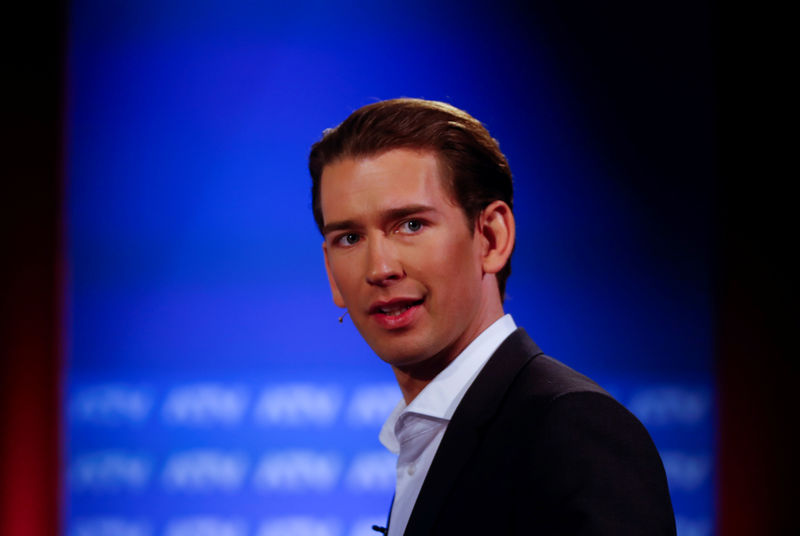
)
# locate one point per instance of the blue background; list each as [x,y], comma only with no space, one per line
[196,290]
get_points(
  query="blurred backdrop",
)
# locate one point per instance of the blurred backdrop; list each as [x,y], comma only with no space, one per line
[202,382]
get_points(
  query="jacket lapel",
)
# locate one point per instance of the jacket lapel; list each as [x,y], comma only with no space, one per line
[477,408]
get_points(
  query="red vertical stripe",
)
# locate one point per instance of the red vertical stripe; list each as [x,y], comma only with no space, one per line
[30,356]
[757,315]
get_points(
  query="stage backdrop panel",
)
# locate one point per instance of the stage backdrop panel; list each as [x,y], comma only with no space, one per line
[210,389]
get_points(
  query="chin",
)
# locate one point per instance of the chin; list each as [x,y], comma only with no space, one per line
[399,357]
[409,356]
[403,350]
[396,358]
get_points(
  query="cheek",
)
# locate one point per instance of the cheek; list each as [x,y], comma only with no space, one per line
[344,273]
[451,264]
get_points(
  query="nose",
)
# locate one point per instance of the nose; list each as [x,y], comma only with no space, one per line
[384,265]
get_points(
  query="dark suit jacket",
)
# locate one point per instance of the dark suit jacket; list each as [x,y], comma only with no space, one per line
[537,448]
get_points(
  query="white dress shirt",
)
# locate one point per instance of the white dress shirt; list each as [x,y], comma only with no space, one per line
[414,432]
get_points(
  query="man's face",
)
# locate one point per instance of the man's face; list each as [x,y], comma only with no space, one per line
[401,257]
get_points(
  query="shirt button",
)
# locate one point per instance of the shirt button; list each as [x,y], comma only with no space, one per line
[412,468]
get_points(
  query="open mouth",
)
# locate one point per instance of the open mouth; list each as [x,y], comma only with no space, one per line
[395,309]
[396,314]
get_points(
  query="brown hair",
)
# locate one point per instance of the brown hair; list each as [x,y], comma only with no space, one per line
[474,170]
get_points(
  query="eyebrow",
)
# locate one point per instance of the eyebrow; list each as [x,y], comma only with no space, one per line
[391,214]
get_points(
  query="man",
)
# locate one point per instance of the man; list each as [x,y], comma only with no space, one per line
[414,200]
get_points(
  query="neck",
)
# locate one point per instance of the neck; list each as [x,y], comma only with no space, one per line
[413,379]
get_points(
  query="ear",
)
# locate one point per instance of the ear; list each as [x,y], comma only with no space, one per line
[497,233]
[337,296]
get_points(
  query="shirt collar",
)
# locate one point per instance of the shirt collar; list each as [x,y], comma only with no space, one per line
[440,398]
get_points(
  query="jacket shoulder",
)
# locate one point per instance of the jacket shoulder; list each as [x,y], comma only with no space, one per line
[595,465]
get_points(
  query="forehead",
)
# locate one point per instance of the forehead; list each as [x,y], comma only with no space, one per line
[359,186]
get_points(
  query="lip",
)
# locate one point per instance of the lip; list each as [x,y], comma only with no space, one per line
[396,321]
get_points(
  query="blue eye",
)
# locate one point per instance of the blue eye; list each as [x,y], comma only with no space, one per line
[348,239]
[411,226]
